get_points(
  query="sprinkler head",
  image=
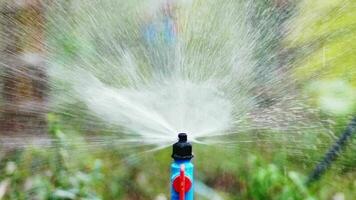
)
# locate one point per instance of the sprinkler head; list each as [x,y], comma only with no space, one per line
[182,150]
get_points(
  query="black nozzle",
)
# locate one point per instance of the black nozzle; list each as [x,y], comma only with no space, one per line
[182,150]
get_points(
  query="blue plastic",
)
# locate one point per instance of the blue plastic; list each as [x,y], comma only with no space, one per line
[165,30]
[189,172]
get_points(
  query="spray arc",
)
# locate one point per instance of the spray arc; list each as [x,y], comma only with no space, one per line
[182,170]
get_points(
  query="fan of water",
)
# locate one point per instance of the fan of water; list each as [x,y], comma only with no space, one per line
[149,70]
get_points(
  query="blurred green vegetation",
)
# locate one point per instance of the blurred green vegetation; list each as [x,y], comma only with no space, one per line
[324,35]
[72,169]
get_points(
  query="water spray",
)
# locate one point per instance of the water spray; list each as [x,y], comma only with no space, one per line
[182,170]
[333,152]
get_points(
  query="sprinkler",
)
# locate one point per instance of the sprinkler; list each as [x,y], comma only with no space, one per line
[182,170]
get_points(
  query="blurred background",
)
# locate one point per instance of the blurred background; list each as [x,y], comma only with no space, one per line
[54,147]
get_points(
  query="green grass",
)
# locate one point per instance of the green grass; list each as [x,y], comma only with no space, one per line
[68,170]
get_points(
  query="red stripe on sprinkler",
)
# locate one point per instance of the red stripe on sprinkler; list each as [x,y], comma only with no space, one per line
[182,183]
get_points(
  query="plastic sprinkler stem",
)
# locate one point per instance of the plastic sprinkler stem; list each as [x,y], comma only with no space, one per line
[182,170]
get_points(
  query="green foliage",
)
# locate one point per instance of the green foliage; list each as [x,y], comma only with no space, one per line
[51,174]
[268,181]
[66,171]
[325,32]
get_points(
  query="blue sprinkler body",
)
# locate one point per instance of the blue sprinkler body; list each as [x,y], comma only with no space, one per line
[182,170]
